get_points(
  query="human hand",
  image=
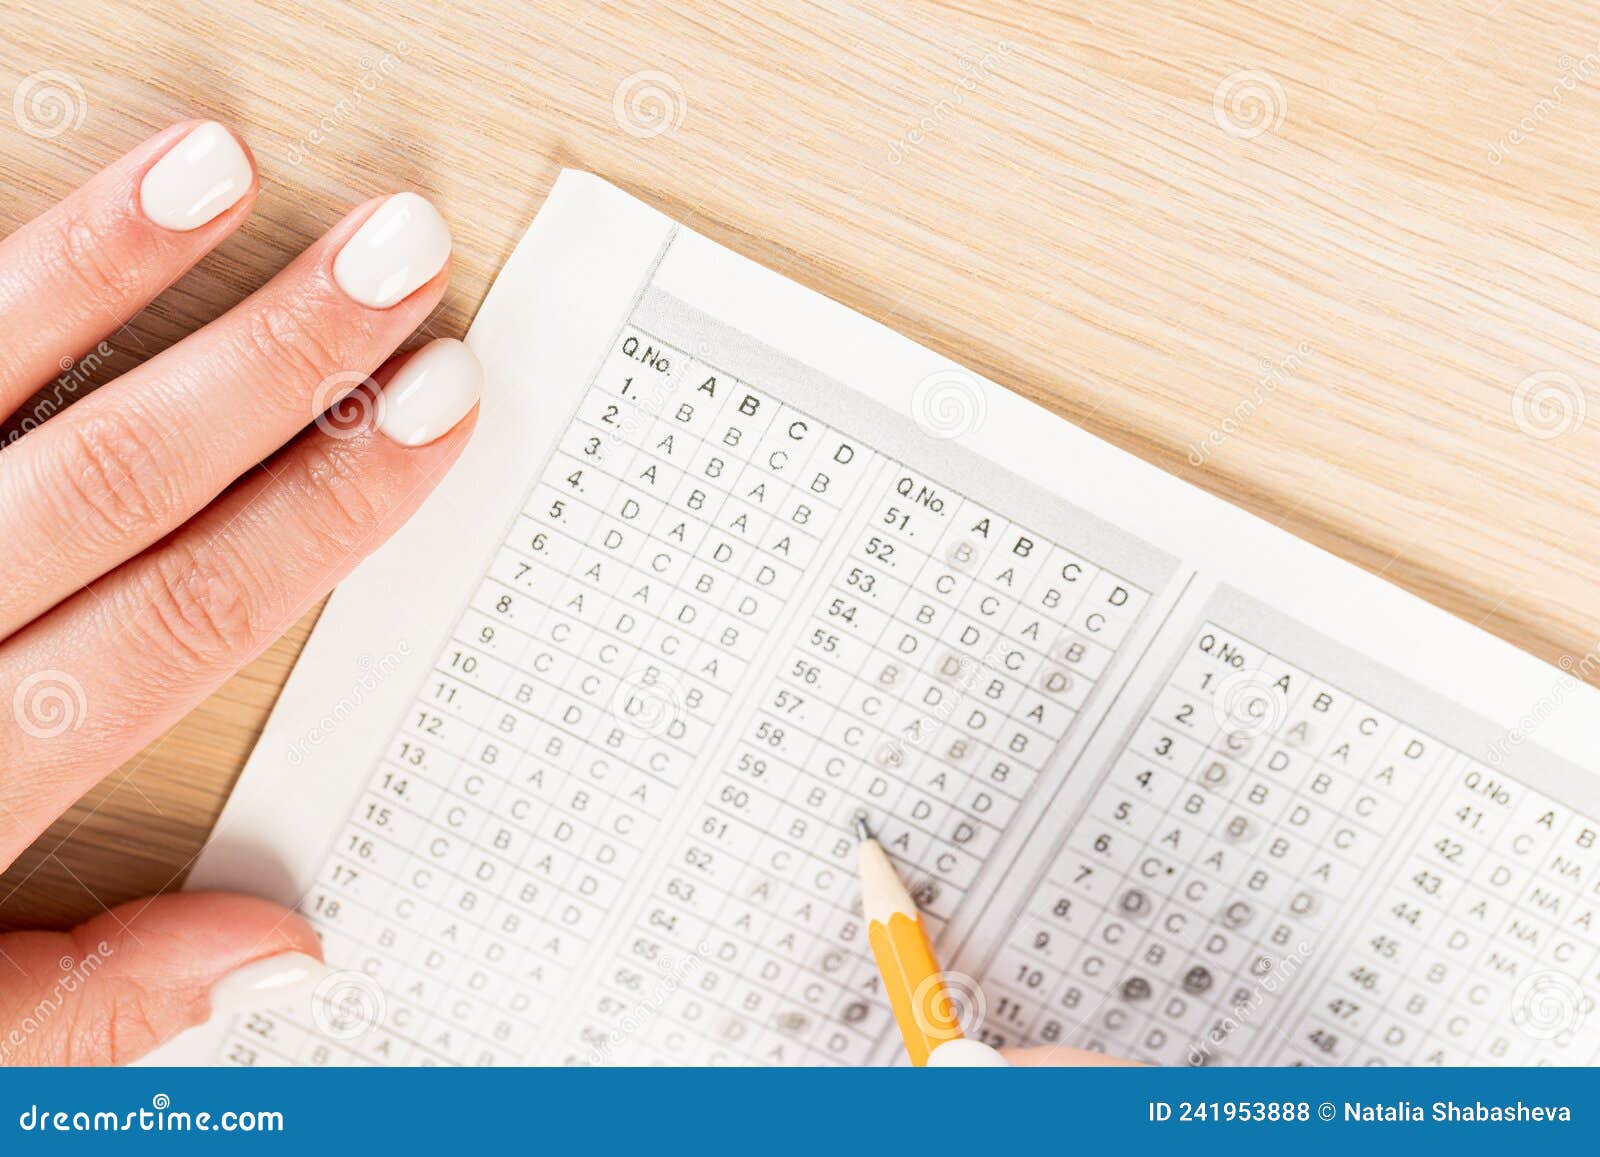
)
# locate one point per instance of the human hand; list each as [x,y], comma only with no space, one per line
[1050,1056]
[970,1053]
[165,529]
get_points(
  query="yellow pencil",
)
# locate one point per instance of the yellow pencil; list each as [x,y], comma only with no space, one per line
[912,979]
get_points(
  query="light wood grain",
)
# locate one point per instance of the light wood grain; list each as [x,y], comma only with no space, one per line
[1049,196]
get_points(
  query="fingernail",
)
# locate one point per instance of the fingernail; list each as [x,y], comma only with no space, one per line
[430,393]
[200,177]
[401,246]
[271,982]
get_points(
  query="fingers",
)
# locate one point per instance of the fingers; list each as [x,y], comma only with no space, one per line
[135,459]
[111,990]
[117,664]
[85,267]
[1064,1056]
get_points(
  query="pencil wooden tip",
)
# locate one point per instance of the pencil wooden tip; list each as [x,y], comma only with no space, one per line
[882,892]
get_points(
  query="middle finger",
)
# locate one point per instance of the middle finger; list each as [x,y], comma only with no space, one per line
[135,459]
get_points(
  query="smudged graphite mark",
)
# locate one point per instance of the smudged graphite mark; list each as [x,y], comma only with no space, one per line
[1214,775]
[1237,914]
[792,1023]
[961,554]
[1304,903]
[1055,682]
[1197,980]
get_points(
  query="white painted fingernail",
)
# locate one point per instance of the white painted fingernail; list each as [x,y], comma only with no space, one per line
[289,978]
[401,246]
[430,393]
[200,177]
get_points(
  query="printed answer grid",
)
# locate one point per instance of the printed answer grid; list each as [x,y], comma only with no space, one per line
[1216,901]
[614,824]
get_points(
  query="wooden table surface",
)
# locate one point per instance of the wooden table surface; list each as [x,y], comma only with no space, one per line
[1335,260]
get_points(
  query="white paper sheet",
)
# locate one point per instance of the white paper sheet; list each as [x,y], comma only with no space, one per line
[565,772]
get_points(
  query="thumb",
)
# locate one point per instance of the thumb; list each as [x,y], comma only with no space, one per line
[1048,1055]
[110,990]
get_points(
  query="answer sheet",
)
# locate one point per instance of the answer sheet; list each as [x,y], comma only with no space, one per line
[567,770]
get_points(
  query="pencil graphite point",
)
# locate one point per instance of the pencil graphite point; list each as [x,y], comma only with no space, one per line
[860,822]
